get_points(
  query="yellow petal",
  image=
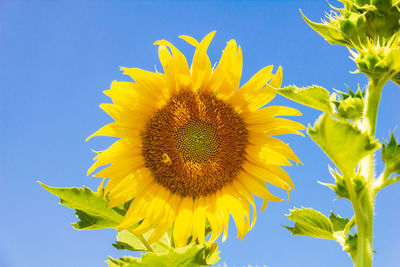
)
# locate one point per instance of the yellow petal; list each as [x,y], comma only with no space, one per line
[119,170]
[170,210]
[157,197]
[183,222]
[169,69]
[276,82]
[254,94]
[266,155]
[199,219]
[271,143]
[256,187]
[214,217]
[122,149]
[129,100]
[128,93]
[267,113]
[182,72]
[242,191]
[265,175]
[129,187]
[276,126]
[190,40]
[222,214]
[201,65]
[238,211]
[113,129]
[225,79]
[153,83]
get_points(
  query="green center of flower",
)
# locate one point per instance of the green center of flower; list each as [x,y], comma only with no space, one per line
[197,141]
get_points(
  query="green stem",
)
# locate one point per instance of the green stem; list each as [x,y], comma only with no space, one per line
[369,123]
[349,225]
[364,208]
[365,231]
[380,186]
[391,181]
[382,180]
[371,107]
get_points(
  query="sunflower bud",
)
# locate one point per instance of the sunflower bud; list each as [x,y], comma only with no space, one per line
[391,155]
[340,187]
[359,21]
[351,105]
[350,244]
[379,58]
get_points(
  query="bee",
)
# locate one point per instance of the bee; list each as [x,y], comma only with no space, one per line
[166,159]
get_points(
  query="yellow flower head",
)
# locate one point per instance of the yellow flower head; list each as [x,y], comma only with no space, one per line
[193,148]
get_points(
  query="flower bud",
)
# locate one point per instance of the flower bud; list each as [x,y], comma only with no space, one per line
[376,59]
[358,21]
[340,187]
[351,105]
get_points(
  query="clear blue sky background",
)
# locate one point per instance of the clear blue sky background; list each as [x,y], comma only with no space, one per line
[56,58]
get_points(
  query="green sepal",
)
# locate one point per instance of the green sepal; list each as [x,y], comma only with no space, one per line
[195,255]
[342,226]
[391,155]
[91,208]
[313,96]
[310,222]
[125,261]
[92,222]
[129,241]
[343,142]
[330,32]
[340,187]
[350,245]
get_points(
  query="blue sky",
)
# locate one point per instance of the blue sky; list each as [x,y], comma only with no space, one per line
[56,58]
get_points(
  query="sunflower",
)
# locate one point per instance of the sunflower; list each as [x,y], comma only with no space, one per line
[194,149]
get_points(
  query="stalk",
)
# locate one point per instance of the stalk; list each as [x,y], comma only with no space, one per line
[364,208]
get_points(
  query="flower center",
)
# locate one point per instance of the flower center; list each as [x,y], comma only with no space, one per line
[195,144]
[197,141]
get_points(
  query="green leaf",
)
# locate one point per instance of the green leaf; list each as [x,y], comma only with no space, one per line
[313,96]
[195,255]
[338,222]
[344,143]
[92,222]
[91,208]
[310,222]
[127,240]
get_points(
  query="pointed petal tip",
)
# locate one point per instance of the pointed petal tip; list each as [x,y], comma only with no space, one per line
[158,42]
[276,81]
[208,37]
[89,137]
[190,40]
